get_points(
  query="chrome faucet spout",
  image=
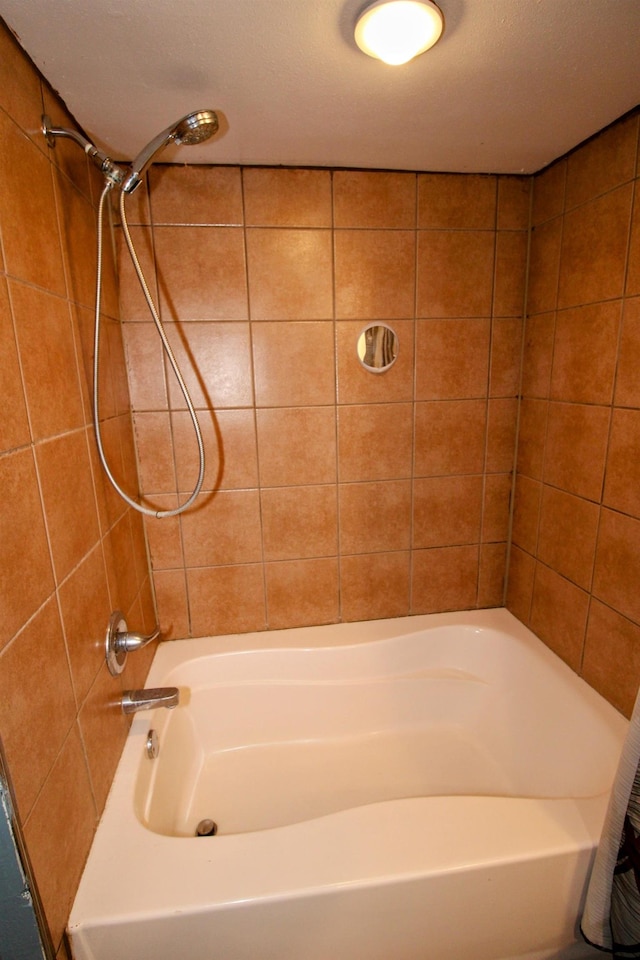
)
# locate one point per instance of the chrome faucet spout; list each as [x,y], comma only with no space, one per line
[134,700]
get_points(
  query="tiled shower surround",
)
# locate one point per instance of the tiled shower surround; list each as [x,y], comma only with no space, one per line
[331,493]
[70,551]
[575,558]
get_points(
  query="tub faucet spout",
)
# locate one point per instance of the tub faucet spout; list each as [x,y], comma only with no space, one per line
[134,700]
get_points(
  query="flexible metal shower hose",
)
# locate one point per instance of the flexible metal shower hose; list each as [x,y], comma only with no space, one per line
[148,511]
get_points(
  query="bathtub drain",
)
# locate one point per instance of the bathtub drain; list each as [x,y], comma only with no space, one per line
[206,828]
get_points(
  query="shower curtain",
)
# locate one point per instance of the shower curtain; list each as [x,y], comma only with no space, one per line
[611,917]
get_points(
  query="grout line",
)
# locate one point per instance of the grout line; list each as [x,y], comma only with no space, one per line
[514,470]
[336,394]
[254,407]
[492,331]
[414,384]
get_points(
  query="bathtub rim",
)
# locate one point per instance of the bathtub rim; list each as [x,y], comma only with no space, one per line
[170,654]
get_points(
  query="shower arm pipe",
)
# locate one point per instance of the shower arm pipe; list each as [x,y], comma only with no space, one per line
[111,170]
[147,511]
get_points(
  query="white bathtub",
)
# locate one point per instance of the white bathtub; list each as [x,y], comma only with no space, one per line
[427,787]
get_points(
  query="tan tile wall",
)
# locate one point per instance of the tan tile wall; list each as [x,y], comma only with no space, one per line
[575,560]
[332,493]
[60,529]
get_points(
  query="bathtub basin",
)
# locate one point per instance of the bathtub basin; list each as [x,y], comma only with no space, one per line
[427,787]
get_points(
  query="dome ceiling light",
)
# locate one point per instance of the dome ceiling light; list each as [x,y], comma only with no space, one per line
[396,31]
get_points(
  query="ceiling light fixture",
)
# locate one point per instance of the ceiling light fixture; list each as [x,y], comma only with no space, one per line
[396,31]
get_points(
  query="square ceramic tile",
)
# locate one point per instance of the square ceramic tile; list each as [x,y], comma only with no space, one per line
[457,201]
[375,274]
[445,578]
[290,274]
[193,194]
[375,441]
[559,614]
[455,273]
[365,198]
[293,363]
[280,197]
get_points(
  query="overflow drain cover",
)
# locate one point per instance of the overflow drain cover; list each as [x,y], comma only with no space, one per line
[206,828]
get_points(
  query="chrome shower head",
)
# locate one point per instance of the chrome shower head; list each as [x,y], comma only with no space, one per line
[194,128]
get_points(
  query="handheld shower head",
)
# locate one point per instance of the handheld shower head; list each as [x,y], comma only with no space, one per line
[194,128]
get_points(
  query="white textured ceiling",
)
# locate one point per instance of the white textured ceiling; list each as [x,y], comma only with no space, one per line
[511,85]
